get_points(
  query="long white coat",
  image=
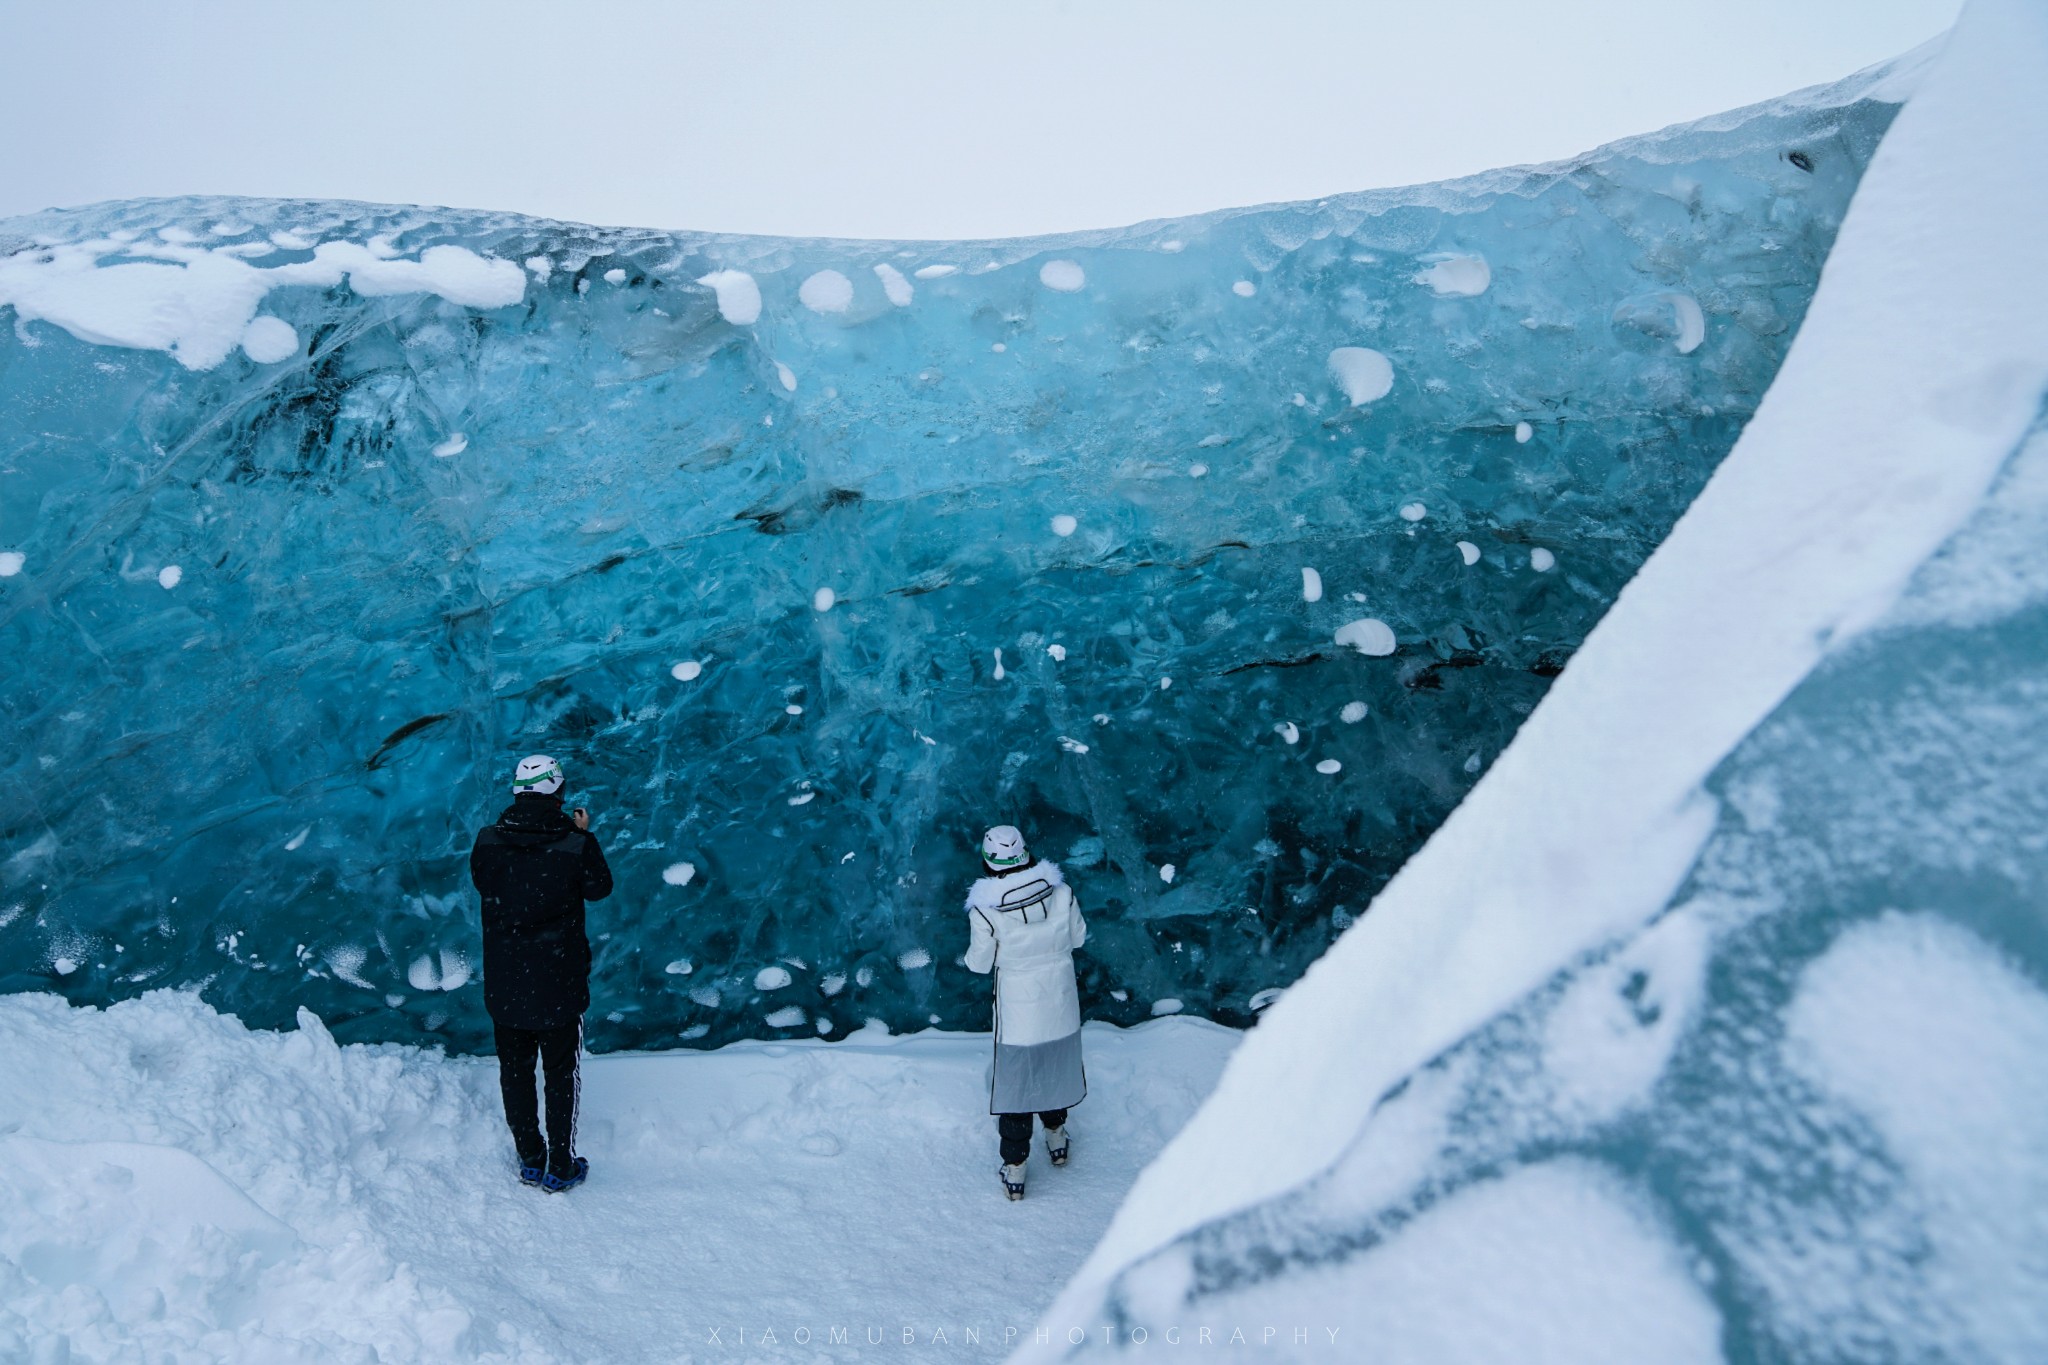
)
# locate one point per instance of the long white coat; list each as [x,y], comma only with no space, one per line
[1025,925]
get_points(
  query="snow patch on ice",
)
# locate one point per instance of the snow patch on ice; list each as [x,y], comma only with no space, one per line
[1367,635]
[898,290]
[739,297]
[826,292]
[679,874]
[1362,373]
[1452,275]
[1065,276]
[1311,586]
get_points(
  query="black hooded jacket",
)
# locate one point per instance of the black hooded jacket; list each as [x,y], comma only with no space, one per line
[534,869]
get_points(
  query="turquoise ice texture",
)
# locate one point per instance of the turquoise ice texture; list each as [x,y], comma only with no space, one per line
[420,539]
[1824,1066]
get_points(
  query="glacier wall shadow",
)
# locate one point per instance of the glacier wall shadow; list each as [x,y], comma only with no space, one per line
[810,559]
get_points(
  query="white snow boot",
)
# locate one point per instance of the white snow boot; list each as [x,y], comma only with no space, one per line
[1056,1145]
[1013,1181]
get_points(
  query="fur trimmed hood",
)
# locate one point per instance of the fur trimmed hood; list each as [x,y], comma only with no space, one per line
[988,892]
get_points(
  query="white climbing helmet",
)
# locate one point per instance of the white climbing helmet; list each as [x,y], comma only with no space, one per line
[537,774]
[1002,848]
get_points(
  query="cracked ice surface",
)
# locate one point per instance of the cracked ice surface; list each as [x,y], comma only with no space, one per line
[797,550]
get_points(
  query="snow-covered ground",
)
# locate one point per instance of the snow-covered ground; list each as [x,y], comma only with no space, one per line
[183,1187]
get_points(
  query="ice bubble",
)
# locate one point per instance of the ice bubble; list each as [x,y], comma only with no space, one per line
[682,966]
[1329,767]
[615,276]
[689,670]
[772,978]
[1523,431]
[824,599]
[1168,872]
[170,576]
[694,1032]
[899,290]
[828,291]
[1197,471]
[999,675]
[1169,1005]
[1311,586]
[267,340]
[64,966]
[1119,995]
[454,445]
[1064,525]
[1058,652]
[1165,683]
[1541,560]
[1244,289]
[1353,712]
[1363,373]
[1266,997]
[1413,511]
[792,710]
[1455,276]
[1468,552]
[1472,763]
[832,983]
[999,348]
[11,562]
[707,996]
[864,977]
[422,974]
[787,376]
[1288,731]
[912,960]
[1073,746]
[803,798]
[1065,276]
[679,874]
[789,1016]
[739,298]
[297,841]
[1368,635]
[936,272]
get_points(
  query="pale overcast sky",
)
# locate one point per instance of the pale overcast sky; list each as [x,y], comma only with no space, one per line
[913,118]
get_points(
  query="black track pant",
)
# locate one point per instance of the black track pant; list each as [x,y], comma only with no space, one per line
[557,1050]
[1015,1131]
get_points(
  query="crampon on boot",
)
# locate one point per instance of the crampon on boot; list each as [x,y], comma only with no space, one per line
[1013,1181]
[555,1184]
[1056,1145]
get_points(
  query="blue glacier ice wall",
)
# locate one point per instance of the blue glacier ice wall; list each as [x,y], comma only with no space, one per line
[812,558]
[1804,1113]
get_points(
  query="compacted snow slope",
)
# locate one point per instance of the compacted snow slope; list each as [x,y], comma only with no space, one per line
[1920,365]
[192,1190]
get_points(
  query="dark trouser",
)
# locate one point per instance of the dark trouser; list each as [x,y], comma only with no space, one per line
[556,1049]
[1015,1131]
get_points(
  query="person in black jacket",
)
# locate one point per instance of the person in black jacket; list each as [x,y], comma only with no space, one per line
[534,870]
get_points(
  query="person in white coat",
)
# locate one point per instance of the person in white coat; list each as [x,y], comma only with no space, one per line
[1023,924]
